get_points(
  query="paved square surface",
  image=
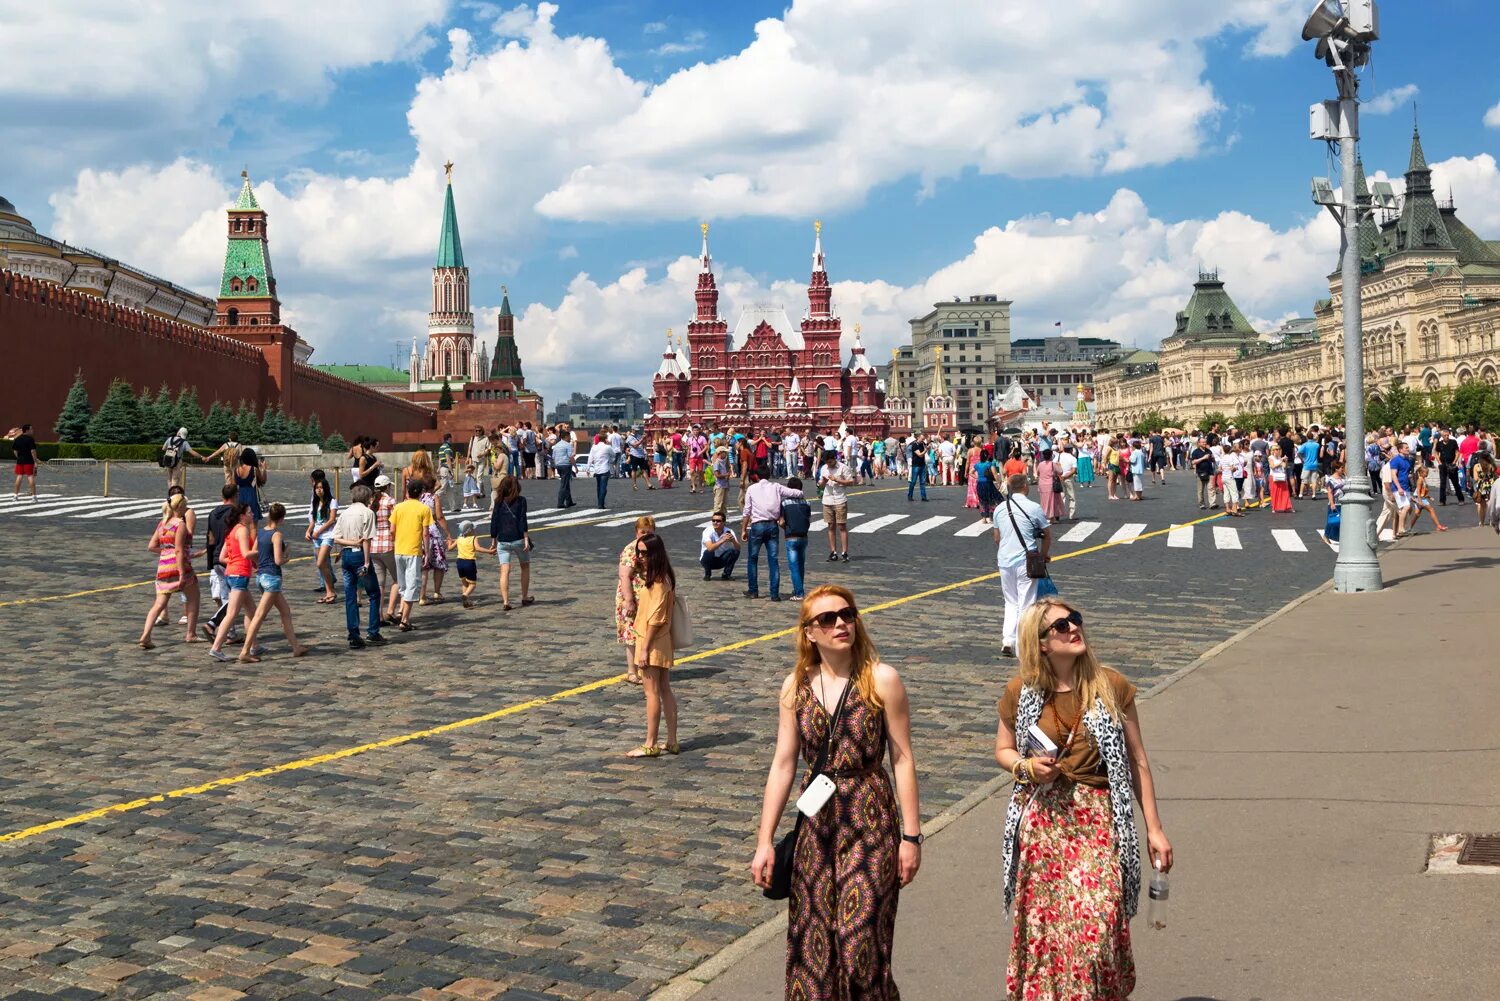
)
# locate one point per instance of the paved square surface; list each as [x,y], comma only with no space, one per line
[520,856]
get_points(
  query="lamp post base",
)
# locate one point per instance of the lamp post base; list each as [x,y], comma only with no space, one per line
[1354,578]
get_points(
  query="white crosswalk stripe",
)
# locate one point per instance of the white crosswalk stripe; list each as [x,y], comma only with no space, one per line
[1128,533]
[10,499]
[877,524]
[822,526]
[155,511]
[619,518]
[1180,537]
[1226,538]
[1288,540]
[680,518]
[926,525]
[54,504]
[970,531]
[99,505]
[1080,531]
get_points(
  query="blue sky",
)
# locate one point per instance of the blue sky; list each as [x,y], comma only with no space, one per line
[1082,163]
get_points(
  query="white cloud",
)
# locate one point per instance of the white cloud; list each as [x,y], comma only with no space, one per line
[1388,101]
[691,42]
[654,27]
[1492,117]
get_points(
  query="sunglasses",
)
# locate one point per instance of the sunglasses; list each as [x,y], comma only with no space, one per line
[846,615]
[1073,620]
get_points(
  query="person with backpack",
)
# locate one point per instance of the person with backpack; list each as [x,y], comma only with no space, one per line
[796,519]
[173,453]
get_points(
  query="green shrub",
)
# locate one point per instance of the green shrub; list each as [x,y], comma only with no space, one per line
[126,453]
[335,443]
[73,423]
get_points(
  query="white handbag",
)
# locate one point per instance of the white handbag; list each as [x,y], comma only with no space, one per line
[682,624]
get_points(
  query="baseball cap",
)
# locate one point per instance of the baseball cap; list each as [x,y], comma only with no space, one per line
[382,481]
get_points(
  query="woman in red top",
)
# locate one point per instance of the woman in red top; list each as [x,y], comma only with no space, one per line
[239,557]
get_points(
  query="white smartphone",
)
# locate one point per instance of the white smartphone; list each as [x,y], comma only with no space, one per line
[1038,743]
[816,795]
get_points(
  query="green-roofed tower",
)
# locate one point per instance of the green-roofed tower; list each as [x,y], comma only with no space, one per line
[1210,314]
[506,362]
[449,350]
[1420,227]
[247,289]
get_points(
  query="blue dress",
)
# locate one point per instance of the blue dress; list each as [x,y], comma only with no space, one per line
[249,493]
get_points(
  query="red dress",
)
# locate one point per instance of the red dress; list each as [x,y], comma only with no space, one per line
[845,881]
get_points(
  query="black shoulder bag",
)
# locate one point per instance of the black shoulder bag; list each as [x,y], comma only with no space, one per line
[1036,563]
[786,848]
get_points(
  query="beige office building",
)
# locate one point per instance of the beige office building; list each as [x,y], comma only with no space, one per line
[1430,295]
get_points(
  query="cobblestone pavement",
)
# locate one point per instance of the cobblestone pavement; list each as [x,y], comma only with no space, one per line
[522,857]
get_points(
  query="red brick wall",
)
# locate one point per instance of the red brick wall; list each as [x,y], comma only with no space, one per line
[48,333]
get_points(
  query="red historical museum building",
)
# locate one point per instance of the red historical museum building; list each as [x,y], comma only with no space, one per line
[767,373]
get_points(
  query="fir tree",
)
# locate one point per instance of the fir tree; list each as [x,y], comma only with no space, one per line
[296,431]
[145,416]
[247,426]
[219,426]
[73,423]
[445,397]
[118,420]
[273,426]
[335,443]
[164,414]
[190,414]
[314,429]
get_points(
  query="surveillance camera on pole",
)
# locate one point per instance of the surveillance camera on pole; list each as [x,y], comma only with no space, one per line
[1344,30]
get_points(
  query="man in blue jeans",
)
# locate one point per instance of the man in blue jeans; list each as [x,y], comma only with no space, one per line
[601,462]
[761,513]
[796,519]
[353,531]
[918,466]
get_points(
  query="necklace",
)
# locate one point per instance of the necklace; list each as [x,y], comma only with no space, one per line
[1068,729]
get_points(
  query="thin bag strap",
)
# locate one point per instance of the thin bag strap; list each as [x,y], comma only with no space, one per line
[822,758]
[1009,514]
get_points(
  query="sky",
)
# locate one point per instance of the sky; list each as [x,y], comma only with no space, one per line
[1083,160]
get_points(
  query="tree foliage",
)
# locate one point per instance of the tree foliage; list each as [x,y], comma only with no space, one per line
[219,426]
[1399,406]
[189,414]
[1213,417]
[1150,422]
[247,425]
[335,443]
[73,422]
[118,420]
[445,397]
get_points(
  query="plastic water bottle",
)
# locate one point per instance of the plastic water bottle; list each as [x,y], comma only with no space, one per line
[1156,907]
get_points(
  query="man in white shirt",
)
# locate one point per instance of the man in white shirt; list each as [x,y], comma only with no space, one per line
[718,549]
[1067,471]
[946,451]
[601,464]
[789,444]
[1019,525]
[617,449]
[833,477]
[830,442]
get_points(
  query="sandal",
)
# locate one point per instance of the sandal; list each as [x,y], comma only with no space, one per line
[146,644]
[248,658]
[528,601]
[634,679]
[327,599]
[644,751]
[672,748]
[303,651]
[505,607]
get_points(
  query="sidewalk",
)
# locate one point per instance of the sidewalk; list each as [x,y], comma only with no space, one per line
[1301,770]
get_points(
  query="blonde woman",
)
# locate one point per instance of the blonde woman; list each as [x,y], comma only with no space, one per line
[653,644]
[1071,856]
[172,544]
[628,585]
[853,856]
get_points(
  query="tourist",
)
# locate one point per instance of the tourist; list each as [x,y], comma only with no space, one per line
[1482,481]
[697,447]
[933,453]
[1014,466]
[174,453]
[1086,456]
[1281,487]
[249,477]
[759,524]
[435,559]
[653,645]
[23,448]
[918,467]
[1066,464]
[637,466]
[1448,467]
[1112,468]
[971,461]
[601,462]
[173,546]
[1157,455]
[467,545]
[1049,486]
[238,555]
[986,475]
[410,521]
[470,488]
[354,534]
[628,584]
[479,450]
[1137,473]
[1401,488]
[1070,935]
[213,541]
[1421,501]
[228,454]
[499,457]
[1020,527]
[270,546]
[562,460]
[526,440]
[370,465]
[512,539]
[383,548]
[444,489]
[322,513]
[1308,455]
[1232,470]
[833,477]
[796,520]
[510,444]
[1334,484]
[718,549]
[1468,447]
[723,480]
[191,596]
[842,710]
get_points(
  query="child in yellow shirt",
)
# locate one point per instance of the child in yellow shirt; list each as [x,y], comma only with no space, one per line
[468,567]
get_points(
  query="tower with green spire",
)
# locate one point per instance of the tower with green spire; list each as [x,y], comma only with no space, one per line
[450,321]
[506,362]
[247,289]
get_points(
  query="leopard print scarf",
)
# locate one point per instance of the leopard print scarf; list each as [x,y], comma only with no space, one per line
[1109,737]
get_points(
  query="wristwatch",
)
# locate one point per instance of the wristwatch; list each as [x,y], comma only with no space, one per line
[915,839]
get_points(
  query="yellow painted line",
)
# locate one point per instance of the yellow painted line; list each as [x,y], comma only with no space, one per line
[520,707]
[104,590]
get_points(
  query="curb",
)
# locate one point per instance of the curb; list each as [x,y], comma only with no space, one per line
[685,985]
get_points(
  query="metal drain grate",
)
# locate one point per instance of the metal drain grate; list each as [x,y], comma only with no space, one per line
[1480,849]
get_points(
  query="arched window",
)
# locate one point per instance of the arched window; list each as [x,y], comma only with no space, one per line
[463,362]
[239,225]
[765,397]
[252,284]
[234,284]
[708,399]
[234,317]
[254,321]
[822,394]
[250,225]
[780,397]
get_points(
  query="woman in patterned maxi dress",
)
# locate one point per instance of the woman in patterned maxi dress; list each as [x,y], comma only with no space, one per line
[628,586]
[853,856]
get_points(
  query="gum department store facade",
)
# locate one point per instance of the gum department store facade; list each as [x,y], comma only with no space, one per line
[1430,292]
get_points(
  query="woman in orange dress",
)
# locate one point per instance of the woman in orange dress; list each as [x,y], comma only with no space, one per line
[653,643]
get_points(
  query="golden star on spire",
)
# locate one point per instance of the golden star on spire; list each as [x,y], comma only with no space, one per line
[856,329]
[704,227]
[448,170]
[818,226]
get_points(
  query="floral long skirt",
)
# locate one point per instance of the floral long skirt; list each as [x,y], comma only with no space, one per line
[1071,937]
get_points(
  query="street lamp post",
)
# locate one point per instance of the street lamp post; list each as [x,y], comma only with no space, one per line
[1344,30]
